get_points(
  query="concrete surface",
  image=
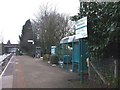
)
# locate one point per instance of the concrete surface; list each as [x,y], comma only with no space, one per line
[27,72]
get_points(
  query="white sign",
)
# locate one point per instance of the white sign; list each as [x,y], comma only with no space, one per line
[81,28]
[30,40]
[81,34]
[81,23]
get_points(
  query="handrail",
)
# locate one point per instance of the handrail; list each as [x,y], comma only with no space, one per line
[4,62]
[4,58]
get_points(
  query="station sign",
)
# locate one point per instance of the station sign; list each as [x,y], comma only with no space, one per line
[81,28]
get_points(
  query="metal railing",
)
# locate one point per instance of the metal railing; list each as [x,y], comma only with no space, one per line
[4,60]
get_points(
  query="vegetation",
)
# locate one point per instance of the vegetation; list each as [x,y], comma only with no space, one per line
[103,30]
[27,34]
[46,30]
[103,27]
[103,34]
[49,27]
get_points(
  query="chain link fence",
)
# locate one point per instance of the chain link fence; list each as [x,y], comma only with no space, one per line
[104,72]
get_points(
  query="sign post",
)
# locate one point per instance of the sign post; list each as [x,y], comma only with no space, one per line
[81,32]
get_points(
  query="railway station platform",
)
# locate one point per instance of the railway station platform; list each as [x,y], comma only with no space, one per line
[27,72]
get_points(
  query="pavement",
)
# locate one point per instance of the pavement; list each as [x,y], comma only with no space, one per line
[27,72]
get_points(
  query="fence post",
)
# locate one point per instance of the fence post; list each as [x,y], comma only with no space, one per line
[88,64]
[115,69]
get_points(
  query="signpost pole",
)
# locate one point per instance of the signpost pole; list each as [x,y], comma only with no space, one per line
[81,32]
[81,56]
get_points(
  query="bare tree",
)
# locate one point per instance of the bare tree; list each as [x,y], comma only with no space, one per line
[50,26]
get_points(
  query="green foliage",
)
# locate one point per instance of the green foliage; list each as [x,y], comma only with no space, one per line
[103,26]
[27,34]
[113,82]
[74,18]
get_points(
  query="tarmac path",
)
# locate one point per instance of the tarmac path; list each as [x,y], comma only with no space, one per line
[27,72]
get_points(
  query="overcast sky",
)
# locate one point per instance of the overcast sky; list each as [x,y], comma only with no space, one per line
[14,13]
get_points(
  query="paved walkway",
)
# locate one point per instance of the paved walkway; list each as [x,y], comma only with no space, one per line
[26,72]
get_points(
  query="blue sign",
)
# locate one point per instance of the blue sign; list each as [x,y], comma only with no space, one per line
[53,50]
